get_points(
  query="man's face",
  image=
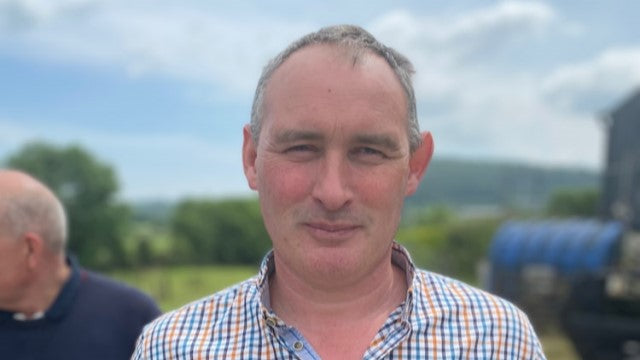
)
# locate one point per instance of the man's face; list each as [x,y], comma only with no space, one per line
[332,165]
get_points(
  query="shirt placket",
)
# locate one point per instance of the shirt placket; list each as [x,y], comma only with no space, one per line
[290,338]
[396,329]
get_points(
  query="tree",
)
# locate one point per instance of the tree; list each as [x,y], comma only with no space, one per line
[454,248]
[573,202]
[87,188]
[225,231]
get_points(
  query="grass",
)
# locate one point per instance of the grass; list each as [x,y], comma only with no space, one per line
[173,287]
[557,346]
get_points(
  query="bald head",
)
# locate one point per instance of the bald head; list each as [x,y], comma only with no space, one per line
[27,205]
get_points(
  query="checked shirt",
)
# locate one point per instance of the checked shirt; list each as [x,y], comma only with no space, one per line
[441,318]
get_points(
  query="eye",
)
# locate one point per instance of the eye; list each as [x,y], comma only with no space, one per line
[368,151]
[301,152]
[368,154]
[300,148]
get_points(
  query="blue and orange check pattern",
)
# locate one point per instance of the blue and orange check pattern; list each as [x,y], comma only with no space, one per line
[441,318]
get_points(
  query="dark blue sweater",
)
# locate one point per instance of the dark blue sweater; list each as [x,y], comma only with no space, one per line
[93,317]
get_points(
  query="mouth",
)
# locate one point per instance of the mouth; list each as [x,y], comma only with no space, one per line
[332,231]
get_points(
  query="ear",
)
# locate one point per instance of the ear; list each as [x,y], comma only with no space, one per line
[418,163]
[249,154]
[34,249]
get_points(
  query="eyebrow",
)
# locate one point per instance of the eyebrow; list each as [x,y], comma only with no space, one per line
[383,140]
[288,136]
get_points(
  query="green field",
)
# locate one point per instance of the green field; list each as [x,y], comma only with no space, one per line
[557,346]
[172,287]
[176,286]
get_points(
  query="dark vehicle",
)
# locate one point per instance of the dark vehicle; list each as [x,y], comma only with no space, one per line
[584,274]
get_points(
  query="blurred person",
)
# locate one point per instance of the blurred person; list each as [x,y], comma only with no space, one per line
[50,307]
[333,148]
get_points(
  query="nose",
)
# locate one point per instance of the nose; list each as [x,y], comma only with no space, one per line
[331,188]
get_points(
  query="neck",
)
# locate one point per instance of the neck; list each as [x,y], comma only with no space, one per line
[295,300]
[45,287]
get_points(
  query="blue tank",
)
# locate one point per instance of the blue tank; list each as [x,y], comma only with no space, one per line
[568,246]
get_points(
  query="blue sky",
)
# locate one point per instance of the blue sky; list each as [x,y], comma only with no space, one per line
[161,89]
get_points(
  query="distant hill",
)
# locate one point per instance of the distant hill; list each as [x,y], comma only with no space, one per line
[458,183]
[467,183]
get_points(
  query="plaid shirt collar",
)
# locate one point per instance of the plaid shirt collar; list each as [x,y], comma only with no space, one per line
[399,257]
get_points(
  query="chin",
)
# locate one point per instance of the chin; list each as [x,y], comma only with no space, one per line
[333,263]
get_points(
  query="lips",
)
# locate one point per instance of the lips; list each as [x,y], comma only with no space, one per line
[332,231]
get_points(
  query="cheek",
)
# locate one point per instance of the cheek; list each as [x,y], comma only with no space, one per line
[383,188]
[9,274]
[282,184]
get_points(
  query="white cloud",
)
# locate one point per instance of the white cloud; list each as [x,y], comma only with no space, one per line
[157,38]
[594,84]
[24,15]
[452,53]
[456,38]
[518,126]
[187,43]
[478,109]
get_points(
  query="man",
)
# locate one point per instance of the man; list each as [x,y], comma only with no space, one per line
[50,308]
[333,149]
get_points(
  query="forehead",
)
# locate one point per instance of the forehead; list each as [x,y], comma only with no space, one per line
[313,63]
[322,78]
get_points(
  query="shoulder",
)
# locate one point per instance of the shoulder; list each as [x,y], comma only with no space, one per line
[443,295]
[198,322]
[445,292]
[210,309]
[109,287]
[116,294]
[443,305]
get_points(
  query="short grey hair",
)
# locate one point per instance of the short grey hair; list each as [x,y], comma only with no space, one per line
[357,41]
[34,211]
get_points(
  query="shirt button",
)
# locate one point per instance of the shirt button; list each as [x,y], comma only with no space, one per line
[271,322]
[298,346]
